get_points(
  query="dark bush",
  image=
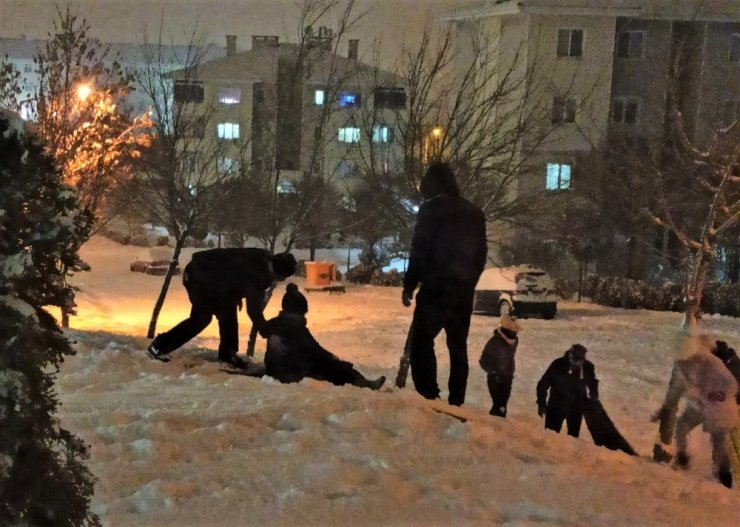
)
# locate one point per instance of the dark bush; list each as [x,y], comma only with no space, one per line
[361,274]
[390,279]
[565,288]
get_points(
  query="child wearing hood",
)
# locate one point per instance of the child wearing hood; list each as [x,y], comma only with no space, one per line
[497,360]
[292,352]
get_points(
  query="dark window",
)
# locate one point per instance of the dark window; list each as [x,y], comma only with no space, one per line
[259,95]
[563,110]
[734,56]
[570,42]
[393,98]
[625,110]
[630,45]
[347,168]
[349,99]
[188,91]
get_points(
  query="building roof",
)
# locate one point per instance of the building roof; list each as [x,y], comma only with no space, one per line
[260,65]
[708,10]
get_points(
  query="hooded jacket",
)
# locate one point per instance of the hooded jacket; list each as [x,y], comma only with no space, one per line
[498,354]
[569,386]
[449,242]
[709,387]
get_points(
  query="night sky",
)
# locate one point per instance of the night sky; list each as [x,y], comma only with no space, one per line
[124,20]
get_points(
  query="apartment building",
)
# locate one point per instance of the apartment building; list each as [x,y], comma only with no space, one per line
[602,67]
[292,109]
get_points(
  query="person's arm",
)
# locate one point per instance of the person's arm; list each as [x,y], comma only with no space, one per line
[419,251]
[255,305]
[542,387]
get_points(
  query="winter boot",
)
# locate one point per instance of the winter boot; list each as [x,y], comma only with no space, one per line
[661,453]
[155,353]
[682,460]
[499,411]
[725,477]
[376,384]
[232,359]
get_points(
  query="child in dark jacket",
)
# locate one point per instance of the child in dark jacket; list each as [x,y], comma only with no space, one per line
[292,352]
[497,360]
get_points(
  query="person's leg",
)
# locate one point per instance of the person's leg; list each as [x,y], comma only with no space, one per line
[721,457]
[554,418]
[457,325]
[169,341]
[574,420]
[228,331]
[500,389]
[426,325]
[690,419]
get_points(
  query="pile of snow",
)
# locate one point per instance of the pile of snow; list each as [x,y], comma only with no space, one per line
[184,443]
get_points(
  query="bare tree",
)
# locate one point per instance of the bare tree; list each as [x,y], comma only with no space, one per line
[180,175]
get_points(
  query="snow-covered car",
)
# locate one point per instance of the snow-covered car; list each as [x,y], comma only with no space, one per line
[155,262]
[521,290]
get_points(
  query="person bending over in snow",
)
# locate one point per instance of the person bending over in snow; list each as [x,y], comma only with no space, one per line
[448,253]
[216,281]
[571,382]
[497,360]
[292,352]
[710,391]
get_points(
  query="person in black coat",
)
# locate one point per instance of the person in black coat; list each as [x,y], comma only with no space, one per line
[571,382]
[292,352]
[448,253]
[216,281]
[497,360]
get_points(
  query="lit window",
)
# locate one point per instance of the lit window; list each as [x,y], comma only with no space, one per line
[563,110]
[734,55]
[570,42]
[229,95]
[227,165]
[349,99]
[558,176]
[286,187]
[228,130]
[318,97]
[630,44]
[349,135]
[382,134]
[625,109]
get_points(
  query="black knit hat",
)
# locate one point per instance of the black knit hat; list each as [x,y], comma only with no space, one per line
[577,351]
[284,265]
[294,301]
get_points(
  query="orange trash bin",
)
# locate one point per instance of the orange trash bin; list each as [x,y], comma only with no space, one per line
[320,273]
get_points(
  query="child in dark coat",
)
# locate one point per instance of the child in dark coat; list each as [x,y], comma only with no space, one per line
[571,382]
[497,360]
[292,352]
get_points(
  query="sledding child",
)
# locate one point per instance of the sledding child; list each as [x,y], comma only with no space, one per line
[710,391]
[292,352]
[497,360]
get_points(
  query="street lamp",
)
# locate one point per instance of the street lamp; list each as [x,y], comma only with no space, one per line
[83,91]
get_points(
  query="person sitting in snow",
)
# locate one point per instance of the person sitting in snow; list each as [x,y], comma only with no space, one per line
[292,352]
[710,391]
[216,281]
[497,360]
[571,382]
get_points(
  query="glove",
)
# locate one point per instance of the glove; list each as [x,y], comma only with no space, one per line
[541,409]
[406,297]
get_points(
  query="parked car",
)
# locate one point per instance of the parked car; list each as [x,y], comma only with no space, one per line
[156,262]
[521,290]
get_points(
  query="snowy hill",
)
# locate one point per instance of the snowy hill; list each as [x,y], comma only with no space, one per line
[184,443]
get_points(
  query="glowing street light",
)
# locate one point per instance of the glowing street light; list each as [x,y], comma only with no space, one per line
[437,132]
[83,91]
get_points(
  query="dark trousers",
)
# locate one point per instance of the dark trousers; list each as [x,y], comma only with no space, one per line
[201,315]
[499,386]
[446,307]
[555,416]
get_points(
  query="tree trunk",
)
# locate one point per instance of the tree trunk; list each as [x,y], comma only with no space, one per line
[632,257]
[696,281]
[179,242]
[312,251]
[580,279]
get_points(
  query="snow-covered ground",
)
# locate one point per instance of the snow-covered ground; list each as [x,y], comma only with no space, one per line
[186,444]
